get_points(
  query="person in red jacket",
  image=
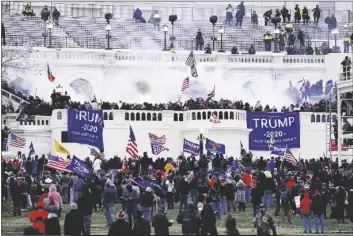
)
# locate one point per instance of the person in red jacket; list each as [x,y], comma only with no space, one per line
[305,206]
[247,181]
[291,182]
[38,216]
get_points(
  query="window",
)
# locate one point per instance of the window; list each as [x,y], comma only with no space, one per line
[193,116]
[137,116]
[220,115]
[226,115]
[159,116]
[47,122]
[143,116]
[208,115]
[313,118]
[59,115]
[204,117]
[199,115]
[323,118]
[64,137]
[231,115]
[181,117]
[38,122]
[318,118]
[148,116]
[42,122]
[175,116]
[132,116]
[154,117]
[328,118]
[111,116]
[126,116]
[105,116]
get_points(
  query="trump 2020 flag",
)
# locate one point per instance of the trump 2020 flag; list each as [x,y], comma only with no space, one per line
[157,143]
[85,127]
[215,147]
[190,147]
[277,150]
[79,167]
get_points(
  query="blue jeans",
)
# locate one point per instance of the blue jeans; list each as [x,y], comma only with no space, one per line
[87,221]
[224,205]
[319,219]
[247,194]
[109,211]
[146,212]
[307,223]
[267,198]
[216,206]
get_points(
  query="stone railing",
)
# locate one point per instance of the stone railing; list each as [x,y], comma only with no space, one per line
[104,56]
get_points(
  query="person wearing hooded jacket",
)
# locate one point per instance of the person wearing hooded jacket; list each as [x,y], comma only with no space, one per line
[109,197]
[146,202]
[52,224]
[318,211]
[240,195]
[160,223]
[142,227]
[38,216]
[120,226]
[216,198]
[73,224]
[305,206]
[208,219]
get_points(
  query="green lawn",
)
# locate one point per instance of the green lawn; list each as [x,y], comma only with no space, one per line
[15,225]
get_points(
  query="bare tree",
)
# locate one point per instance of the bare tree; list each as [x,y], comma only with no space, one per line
[16,59]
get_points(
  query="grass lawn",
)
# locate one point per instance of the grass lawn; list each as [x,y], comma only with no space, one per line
[15,225]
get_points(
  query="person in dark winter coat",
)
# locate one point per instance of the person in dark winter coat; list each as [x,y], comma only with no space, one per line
[56,15]
[208,219]
[231,226]
[318,211]
[73,224]
[142,227]
[256,199]
[340,201]
[190,220]
[52,224]
[85,208]
[160,222]
[120,226]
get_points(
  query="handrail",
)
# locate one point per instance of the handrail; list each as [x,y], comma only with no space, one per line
[21,100]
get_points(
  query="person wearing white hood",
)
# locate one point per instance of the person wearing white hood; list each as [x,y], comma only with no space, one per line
[97,165]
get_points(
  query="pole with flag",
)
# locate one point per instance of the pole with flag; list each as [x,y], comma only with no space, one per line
[31,150]
[51,77]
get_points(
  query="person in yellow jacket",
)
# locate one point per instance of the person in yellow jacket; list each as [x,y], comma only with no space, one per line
[267,40]
[28,11]
[229,14]
[297,14]
[346,43]
[305,15]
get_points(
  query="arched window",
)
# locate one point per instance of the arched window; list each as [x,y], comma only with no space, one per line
[199,115]
[143,116]
[132,116]
[313,118]
[111,116]
[175,116]
[220,116]
[318,118]
[328,118]
[38,122]
[47,122]
[105,116]
[126,116]
[148,116]
[226,115]
[231,115]
[159,116]
[215,113]
[42,122]
[323,118]
[154,117]
[204,117]
[59,115]
[193,116]
[209,115]
[138,116]
[181,117]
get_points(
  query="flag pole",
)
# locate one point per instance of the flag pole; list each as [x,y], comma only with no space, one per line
[282,157]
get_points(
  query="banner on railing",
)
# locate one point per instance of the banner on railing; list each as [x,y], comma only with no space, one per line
[86,127]
[284,127]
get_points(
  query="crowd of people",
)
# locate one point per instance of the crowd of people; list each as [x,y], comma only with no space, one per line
[204,189]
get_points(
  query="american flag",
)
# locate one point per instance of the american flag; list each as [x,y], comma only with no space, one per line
[191,61]
[131,147]
[185,85]
[17,141]
[57,163]
[288,156]
[212,93]
[157,143]
[51,77]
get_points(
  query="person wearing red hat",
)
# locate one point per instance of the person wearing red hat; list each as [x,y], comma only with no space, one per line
[38,216]
[120,226]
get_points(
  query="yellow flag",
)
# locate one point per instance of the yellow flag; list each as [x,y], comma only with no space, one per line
[59,148]
[168,167]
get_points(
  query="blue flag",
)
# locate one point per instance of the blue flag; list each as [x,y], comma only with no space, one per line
[192,148]
[86,127]
[31,149]
[93,151]
[148,183]
[215,147]
[277,150]
[79,167]
[157,143]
